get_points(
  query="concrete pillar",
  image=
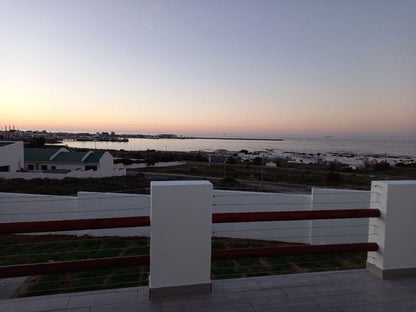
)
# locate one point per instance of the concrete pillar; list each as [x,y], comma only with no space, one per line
[395,229]
[180,237]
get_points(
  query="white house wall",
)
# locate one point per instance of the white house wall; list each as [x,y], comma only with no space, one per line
[106,165]
[12,155]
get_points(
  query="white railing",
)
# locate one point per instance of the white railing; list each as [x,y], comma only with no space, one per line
[26,207]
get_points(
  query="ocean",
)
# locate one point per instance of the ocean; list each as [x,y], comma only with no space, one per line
[390,147]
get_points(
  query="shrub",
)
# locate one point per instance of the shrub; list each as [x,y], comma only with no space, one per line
[382,165]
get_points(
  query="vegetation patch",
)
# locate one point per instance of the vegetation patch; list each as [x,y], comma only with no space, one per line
[71,186]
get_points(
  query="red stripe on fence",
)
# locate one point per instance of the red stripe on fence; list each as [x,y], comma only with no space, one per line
[72,225]
[72,266]
[104,223]
[294,215]
[292,250]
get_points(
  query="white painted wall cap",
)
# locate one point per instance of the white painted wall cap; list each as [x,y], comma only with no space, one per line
[179,183]
[398,182]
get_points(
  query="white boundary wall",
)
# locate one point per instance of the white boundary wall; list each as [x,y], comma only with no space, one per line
[117,172]
[144,165]
[28,207]
[16,207]
[338,231]
[234,201]
[308,232]
[25,207]
[114,205]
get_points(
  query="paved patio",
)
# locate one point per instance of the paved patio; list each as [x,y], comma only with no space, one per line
[341,291]
[9,286]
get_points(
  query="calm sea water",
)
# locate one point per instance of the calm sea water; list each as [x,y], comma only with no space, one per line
[359,146]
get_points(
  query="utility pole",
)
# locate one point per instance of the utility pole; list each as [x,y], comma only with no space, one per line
[262,173]
[223,160]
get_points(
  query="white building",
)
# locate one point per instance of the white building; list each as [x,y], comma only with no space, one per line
[61,160]
[11,156]
[54,163]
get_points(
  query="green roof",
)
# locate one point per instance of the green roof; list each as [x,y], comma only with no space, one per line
[45,154]
[70,157]
[94,158]
[56,147]
[39,154]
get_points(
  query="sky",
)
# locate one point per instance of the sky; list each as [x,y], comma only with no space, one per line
[260,68]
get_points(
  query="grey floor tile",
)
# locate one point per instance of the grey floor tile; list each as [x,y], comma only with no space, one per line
[304,291]
[283,281]
[377,307]
[105,298]
[347,275]
[24,299]
[408,305]
[127,307]
[8,280]
[34,306]
[353,291]
[255,296]
[245,307]
[344,287]
[288,305]
[342,301]
[231,285]
[94,292]
[84,309]
[193,302]
[9,286]
[391,295]
[402,282]
[143,294]
[193,298]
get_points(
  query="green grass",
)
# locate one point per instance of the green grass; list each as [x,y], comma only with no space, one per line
[31,249]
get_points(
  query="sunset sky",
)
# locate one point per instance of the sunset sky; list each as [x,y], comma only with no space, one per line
[264,68]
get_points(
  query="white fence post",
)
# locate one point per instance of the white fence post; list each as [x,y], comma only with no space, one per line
[180,237]
[395,230]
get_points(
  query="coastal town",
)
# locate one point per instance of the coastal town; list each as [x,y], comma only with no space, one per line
[269,157]
[11,134]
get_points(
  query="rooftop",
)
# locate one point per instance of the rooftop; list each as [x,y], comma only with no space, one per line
[5,143]
[70,157]
[94,158]
[45,154]
[341,291]
[39,154]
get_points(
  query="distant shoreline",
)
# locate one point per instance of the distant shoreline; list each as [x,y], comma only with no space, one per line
[180,137]
[226,138]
